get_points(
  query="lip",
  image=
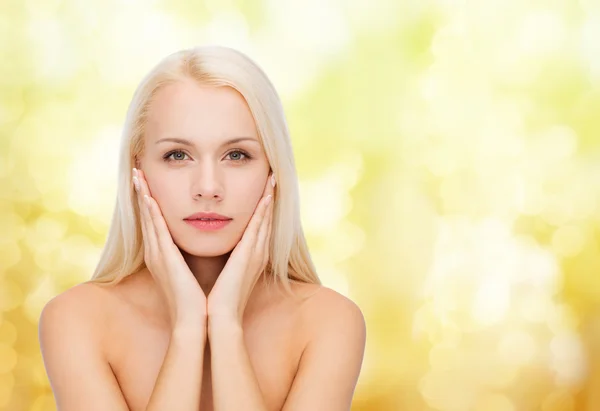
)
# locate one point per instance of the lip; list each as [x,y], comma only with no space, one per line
[208,225]
[218,221]
[215,216]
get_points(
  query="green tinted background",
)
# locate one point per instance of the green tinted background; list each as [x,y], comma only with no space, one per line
[448,155]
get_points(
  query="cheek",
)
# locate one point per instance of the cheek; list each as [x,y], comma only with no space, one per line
[249,194]
[156,187]
[161,189]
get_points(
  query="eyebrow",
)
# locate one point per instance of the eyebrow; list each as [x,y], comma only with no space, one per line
[189,143]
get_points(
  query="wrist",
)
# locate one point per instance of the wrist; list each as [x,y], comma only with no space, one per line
[221,323]
[188,317]
[189,326]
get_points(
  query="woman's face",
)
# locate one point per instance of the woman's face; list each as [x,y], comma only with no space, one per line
[203,172]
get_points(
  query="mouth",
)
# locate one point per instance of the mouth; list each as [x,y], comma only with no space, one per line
[207,219]
[208,224]
[207,216]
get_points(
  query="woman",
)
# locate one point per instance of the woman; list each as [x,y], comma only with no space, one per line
[184,310]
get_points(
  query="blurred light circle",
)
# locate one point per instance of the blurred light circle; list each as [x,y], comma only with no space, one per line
[444,358]
[568,240]
[7,384]
[43,402]
[494,402]
[568,360]
[517,347]
[8,358]
[8,332]
[11,295]
[560,400]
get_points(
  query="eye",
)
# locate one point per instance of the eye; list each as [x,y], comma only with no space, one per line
[180,155]
[236,155]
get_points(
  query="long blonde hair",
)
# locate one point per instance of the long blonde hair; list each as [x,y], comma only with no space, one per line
[289,257]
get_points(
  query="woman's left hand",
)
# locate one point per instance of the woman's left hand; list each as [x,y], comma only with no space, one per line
[228,298]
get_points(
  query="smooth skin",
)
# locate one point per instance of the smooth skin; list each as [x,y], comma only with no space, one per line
[164,340]
[185,299]
[228,298]
[191,311]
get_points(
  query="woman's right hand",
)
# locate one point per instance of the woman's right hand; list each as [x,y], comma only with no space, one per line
[185,298]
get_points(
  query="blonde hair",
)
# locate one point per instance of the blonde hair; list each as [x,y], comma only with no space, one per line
[289,257]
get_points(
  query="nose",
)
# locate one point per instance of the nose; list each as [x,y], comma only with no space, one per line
[207,183]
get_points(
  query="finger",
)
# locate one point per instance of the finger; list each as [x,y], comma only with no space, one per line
[270,225]
[164,239]
[267,244]
[146,213]
[262,237]
[255,221]
[264,227]
[140,203]
[253,228]
[269,185]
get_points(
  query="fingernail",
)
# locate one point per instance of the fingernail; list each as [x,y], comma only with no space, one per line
[135,173]
[268,200]
[136,183]
[273,180]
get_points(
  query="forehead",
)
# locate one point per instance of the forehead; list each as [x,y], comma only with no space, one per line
[198,112]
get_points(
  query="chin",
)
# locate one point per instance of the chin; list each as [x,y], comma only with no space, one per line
[205,248]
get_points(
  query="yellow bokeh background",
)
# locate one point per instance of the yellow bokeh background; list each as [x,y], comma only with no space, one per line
[449,162]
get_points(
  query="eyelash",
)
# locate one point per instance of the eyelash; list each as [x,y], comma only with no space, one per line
[247,157]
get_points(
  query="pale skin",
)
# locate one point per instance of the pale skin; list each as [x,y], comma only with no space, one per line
[226,302]
[197,329]
[225,305]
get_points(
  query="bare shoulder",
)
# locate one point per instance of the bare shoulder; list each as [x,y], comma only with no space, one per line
[327,307]
[84,305]
[85,299]
[323,311]
[71,329]
[332,354]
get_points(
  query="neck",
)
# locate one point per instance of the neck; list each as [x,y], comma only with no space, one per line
[206,270]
